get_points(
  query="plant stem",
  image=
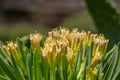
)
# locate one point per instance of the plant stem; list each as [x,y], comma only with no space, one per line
[52,74]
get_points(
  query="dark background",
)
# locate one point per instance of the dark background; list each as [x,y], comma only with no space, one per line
[21,17]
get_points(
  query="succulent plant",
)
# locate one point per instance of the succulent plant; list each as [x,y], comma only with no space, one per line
[61,55]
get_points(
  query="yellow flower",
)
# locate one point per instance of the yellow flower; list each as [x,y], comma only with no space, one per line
[66,42]
[70,55]
[35,40]
[98,50]
[6,49]
[13,49]
[91,73]
[55,44]
[96,58]
[95,71]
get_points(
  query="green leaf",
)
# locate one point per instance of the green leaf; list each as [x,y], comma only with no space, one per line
[108,54]
[46,70]
[26,41]
[37,74]
[77,64]
[88,56]
[111,66]
[4,56]
[81,65]
[21,47]
[117,69]
[3,78]
[99,72]
[42,41]
[57,75]
[84,71]
[7,69]
[65,68]
[3,75]
[107,58]
[2,52]
[78,60]
[28,66]
[87,60]
[18,72]
[31,63]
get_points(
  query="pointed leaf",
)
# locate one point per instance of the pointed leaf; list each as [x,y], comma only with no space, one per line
[112,65]
[18,72]
[7,69]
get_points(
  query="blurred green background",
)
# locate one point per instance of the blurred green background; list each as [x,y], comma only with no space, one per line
[22,17]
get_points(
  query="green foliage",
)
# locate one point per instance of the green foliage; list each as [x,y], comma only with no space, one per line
[106,18]
[28,59]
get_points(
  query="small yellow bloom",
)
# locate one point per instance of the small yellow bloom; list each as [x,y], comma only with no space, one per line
[70,55]
[91,73]
[35,39]
[99,46]
[96,58]
[95,71]
[13,49]
[6,49]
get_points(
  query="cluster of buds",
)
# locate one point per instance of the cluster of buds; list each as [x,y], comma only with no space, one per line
[61,49]
[12,48]
[61,42]
[92,74]
[100,44]
[55,44]
[35,40]
[64,41]
[98,50]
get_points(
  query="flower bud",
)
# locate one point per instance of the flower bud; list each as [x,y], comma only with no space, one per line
[35,40]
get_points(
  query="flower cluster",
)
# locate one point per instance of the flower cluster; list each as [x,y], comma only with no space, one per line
[63,54]
[59,44]
[13,49]
[66,42]
[99,47]
[35,40]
